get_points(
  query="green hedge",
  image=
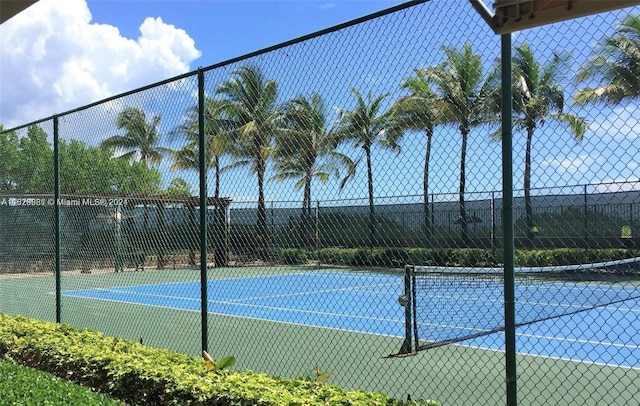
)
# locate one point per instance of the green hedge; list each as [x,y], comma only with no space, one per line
[140,375]
[292,256]
[398,257]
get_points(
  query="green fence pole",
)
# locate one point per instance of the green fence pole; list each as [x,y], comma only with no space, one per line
[507,224]
[56,216]
[203,212]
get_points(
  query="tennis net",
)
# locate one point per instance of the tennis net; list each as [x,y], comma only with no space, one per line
[444,305]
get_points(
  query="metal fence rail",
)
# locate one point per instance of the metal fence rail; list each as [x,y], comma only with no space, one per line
[265,207]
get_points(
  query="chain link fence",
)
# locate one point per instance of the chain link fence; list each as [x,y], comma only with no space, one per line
[336,204]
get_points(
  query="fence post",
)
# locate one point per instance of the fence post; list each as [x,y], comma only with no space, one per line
[507,224]
[56,216]
[493,226]
[203,211]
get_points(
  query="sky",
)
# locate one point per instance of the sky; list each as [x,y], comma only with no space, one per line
[60,55]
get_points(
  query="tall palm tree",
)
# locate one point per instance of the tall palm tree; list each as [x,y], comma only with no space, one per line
[537,98]
[617,67]
[140,139]
[141,136]
[306,148]
[421,110]
[217,144]
[249,101]
[217,141]
[365,126]
[469,99]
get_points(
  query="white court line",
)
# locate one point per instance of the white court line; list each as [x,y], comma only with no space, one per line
[565,359]
[288,309]
[234,303]
[360,288]
[315,292]
[198,281]
[561,358]
[319,272]
[77,293]
[254,318]
[580,341]
[561,305]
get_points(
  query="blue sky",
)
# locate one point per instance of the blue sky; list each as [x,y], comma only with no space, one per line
[56,58]
[54,55]
[223,29]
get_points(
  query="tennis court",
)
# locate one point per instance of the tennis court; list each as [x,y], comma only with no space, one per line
[365,302]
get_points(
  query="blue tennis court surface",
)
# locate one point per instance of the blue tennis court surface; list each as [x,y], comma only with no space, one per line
[368,303]
[346,301]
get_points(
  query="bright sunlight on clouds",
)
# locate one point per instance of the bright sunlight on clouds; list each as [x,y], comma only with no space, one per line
[53,59]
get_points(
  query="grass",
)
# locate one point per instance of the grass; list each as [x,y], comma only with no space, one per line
[26,386]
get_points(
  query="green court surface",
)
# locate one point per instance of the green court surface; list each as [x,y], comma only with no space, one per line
[461,374]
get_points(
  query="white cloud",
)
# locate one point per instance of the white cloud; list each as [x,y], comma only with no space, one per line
[53,59]
[622,122]
[618,185]
[580,164]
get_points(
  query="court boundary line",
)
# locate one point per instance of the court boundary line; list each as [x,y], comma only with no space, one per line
[460,344]
[564,359]
[341,274]
[235,302]
[238,302]
[238,316]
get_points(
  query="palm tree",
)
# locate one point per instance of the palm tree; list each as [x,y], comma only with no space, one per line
[217,140]
[422,111]
[617,67]
[366,126]
[306,150]
[249,101]
[305,147]
[538,97]
[141,136]
[469,99]
[217,144]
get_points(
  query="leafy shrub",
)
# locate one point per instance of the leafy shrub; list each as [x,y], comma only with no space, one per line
[292,256]
[569,256]
[467,257]
[141,375]
[336,256]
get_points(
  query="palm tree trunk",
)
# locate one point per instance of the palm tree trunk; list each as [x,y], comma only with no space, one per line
[161,262]
[217,187]
[191,242]
[262,212]
[463,211]
[527,189]
[425,189]
[372,215]
[306,213]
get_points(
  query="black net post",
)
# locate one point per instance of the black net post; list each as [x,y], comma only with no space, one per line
[406,301]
